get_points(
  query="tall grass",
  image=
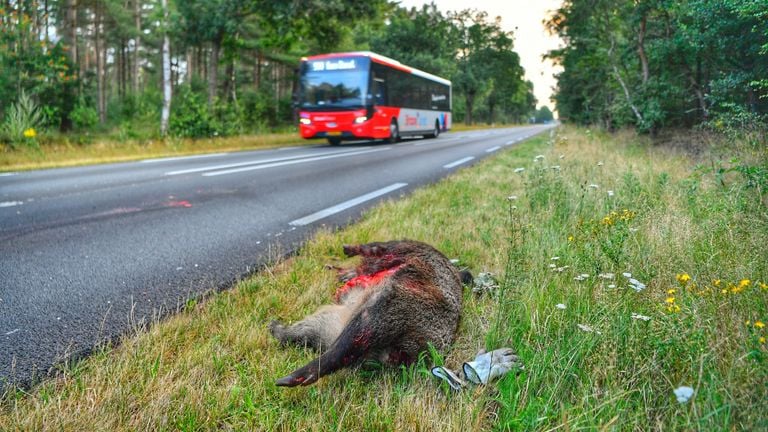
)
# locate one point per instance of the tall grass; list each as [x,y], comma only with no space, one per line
[690,230]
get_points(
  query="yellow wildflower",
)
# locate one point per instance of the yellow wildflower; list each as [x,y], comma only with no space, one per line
[716,282]
[670,300]
[570,238]
[30,133]
[759,324]
[747,322]
[683,278]
[762,340]
[763,286]
[744,283]
[673,308]
[671,291]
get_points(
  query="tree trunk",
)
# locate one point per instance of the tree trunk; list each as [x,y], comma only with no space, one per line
[71,30]
[641,49]
[136,46]
[470,101]
[190,64]
[46,22]
[166,111]
[213,70]
[257,70]
[100,63]
[697,90]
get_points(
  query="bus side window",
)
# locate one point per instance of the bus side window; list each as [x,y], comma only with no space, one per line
[379,91]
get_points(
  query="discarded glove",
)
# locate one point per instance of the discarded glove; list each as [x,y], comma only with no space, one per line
[485,368]
[448,376]
[488,366]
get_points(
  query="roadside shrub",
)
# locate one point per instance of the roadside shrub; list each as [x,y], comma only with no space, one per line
[83,115]
[190,116]
[22,121]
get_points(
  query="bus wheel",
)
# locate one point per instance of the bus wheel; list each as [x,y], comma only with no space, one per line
[394,132]
[434,133]
[334,141]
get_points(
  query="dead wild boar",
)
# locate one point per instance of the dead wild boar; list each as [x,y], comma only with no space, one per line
[402,296]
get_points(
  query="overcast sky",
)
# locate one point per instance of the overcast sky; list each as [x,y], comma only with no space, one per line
[524,18]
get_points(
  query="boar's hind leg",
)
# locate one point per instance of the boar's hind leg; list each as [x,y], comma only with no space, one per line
[318,330]
[371,330]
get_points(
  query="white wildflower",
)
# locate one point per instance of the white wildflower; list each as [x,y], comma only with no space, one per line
[553,266]
[610,193]
[607,276]
[637,316]
[519,170]
[512,197]
[562,156]
[683,394]
[636,285]
[627,275]
[600,163]
[538,158]
[555,258]
[560,306]
[586,328]
[594,186]
[555,167]
[612,286]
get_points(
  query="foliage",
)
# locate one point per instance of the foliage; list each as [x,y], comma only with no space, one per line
[653,64]
[544,115]
[84,116]
[190,116]
[22,122]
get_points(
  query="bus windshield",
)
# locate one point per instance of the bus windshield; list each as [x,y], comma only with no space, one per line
[333,84]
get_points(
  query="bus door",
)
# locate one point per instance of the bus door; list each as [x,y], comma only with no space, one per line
[379,91]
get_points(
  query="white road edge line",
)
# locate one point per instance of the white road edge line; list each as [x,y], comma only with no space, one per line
[292,162]
[492,149]
[251,162]
[182,158]
[306,220]
[10,203]
[458,162]
[8,174]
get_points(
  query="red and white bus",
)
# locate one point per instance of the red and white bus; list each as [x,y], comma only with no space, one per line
[362,95]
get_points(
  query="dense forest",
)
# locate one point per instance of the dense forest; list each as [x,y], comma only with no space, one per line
[653,64]
[143,68]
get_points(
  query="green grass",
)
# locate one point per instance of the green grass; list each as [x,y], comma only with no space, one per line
[213,366]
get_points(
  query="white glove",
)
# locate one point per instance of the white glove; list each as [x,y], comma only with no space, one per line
[488,366]
[448,376]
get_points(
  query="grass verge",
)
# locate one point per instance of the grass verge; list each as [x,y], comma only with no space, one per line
[559,220]
[103,149]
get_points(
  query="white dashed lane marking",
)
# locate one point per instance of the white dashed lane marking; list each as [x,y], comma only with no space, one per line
[458,162]
[306,220]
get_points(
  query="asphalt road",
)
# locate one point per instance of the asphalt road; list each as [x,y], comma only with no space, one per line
[87,254]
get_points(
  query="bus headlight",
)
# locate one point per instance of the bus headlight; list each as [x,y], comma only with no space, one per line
[305,121]
[360,119]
